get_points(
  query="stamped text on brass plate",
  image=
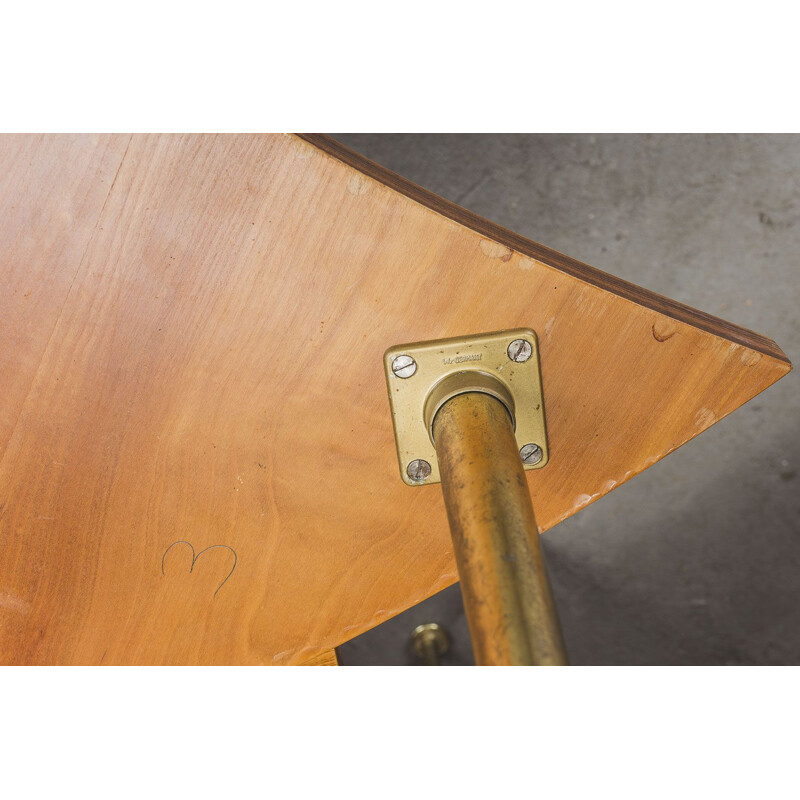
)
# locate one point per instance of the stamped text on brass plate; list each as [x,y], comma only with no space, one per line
[482,359]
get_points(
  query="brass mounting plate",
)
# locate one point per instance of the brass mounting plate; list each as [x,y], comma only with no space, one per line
[435,360]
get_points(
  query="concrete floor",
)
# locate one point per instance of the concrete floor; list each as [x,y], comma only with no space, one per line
[697,560]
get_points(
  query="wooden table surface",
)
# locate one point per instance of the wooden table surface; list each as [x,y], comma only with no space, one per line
[197,461]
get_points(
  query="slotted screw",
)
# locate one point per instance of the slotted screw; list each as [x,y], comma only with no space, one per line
[418,470]
[404,366]
[531,453]
[520,350]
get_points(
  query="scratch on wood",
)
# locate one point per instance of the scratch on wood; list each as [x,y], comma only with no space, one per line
[663,329]
[195,557]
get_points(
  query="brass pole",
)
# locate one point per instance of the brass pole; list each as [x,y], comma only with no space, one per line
[510,609]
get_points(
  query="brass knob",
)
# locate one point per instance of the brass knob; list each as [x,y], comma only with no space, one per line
[430,642]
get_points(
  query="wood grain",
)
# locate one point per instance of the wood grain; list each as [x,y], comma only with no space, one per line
[52,189]
[198,462]
[326,659]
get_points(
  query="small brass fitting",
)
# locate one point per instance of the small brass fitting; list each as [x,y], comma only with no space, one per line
[430,641]
[421,377]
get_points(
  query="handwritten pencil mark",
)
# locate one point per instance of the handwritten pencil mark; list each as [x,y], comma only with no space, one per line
[195,557]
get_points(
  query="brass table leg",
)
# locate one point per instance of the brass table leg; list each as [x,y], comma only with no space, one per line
[510,609]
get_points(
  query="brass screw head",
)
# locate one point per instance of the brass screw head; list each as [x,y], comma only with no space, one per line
[520,350]
[404,366]
[531,453]
[418,470]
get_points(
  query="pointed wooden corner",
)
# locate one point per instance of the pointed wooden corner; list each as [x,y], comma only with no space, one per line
[629,375]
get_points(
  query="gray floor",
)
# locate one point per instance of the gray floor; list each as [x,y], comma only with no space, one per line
[697,560]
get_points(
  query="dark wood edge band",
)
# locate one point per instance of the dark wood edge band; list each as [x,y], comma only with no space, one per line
[552,258]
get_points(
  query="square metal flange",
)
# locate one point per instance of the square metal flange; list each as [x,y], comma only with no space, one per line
[413,370]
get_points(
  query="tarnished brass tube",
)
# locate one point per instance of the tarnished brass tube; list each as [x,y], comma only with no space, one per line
[510,609]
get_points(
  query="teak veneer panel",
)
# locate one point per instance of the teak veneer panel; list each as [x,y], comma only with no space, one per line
[197,453]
